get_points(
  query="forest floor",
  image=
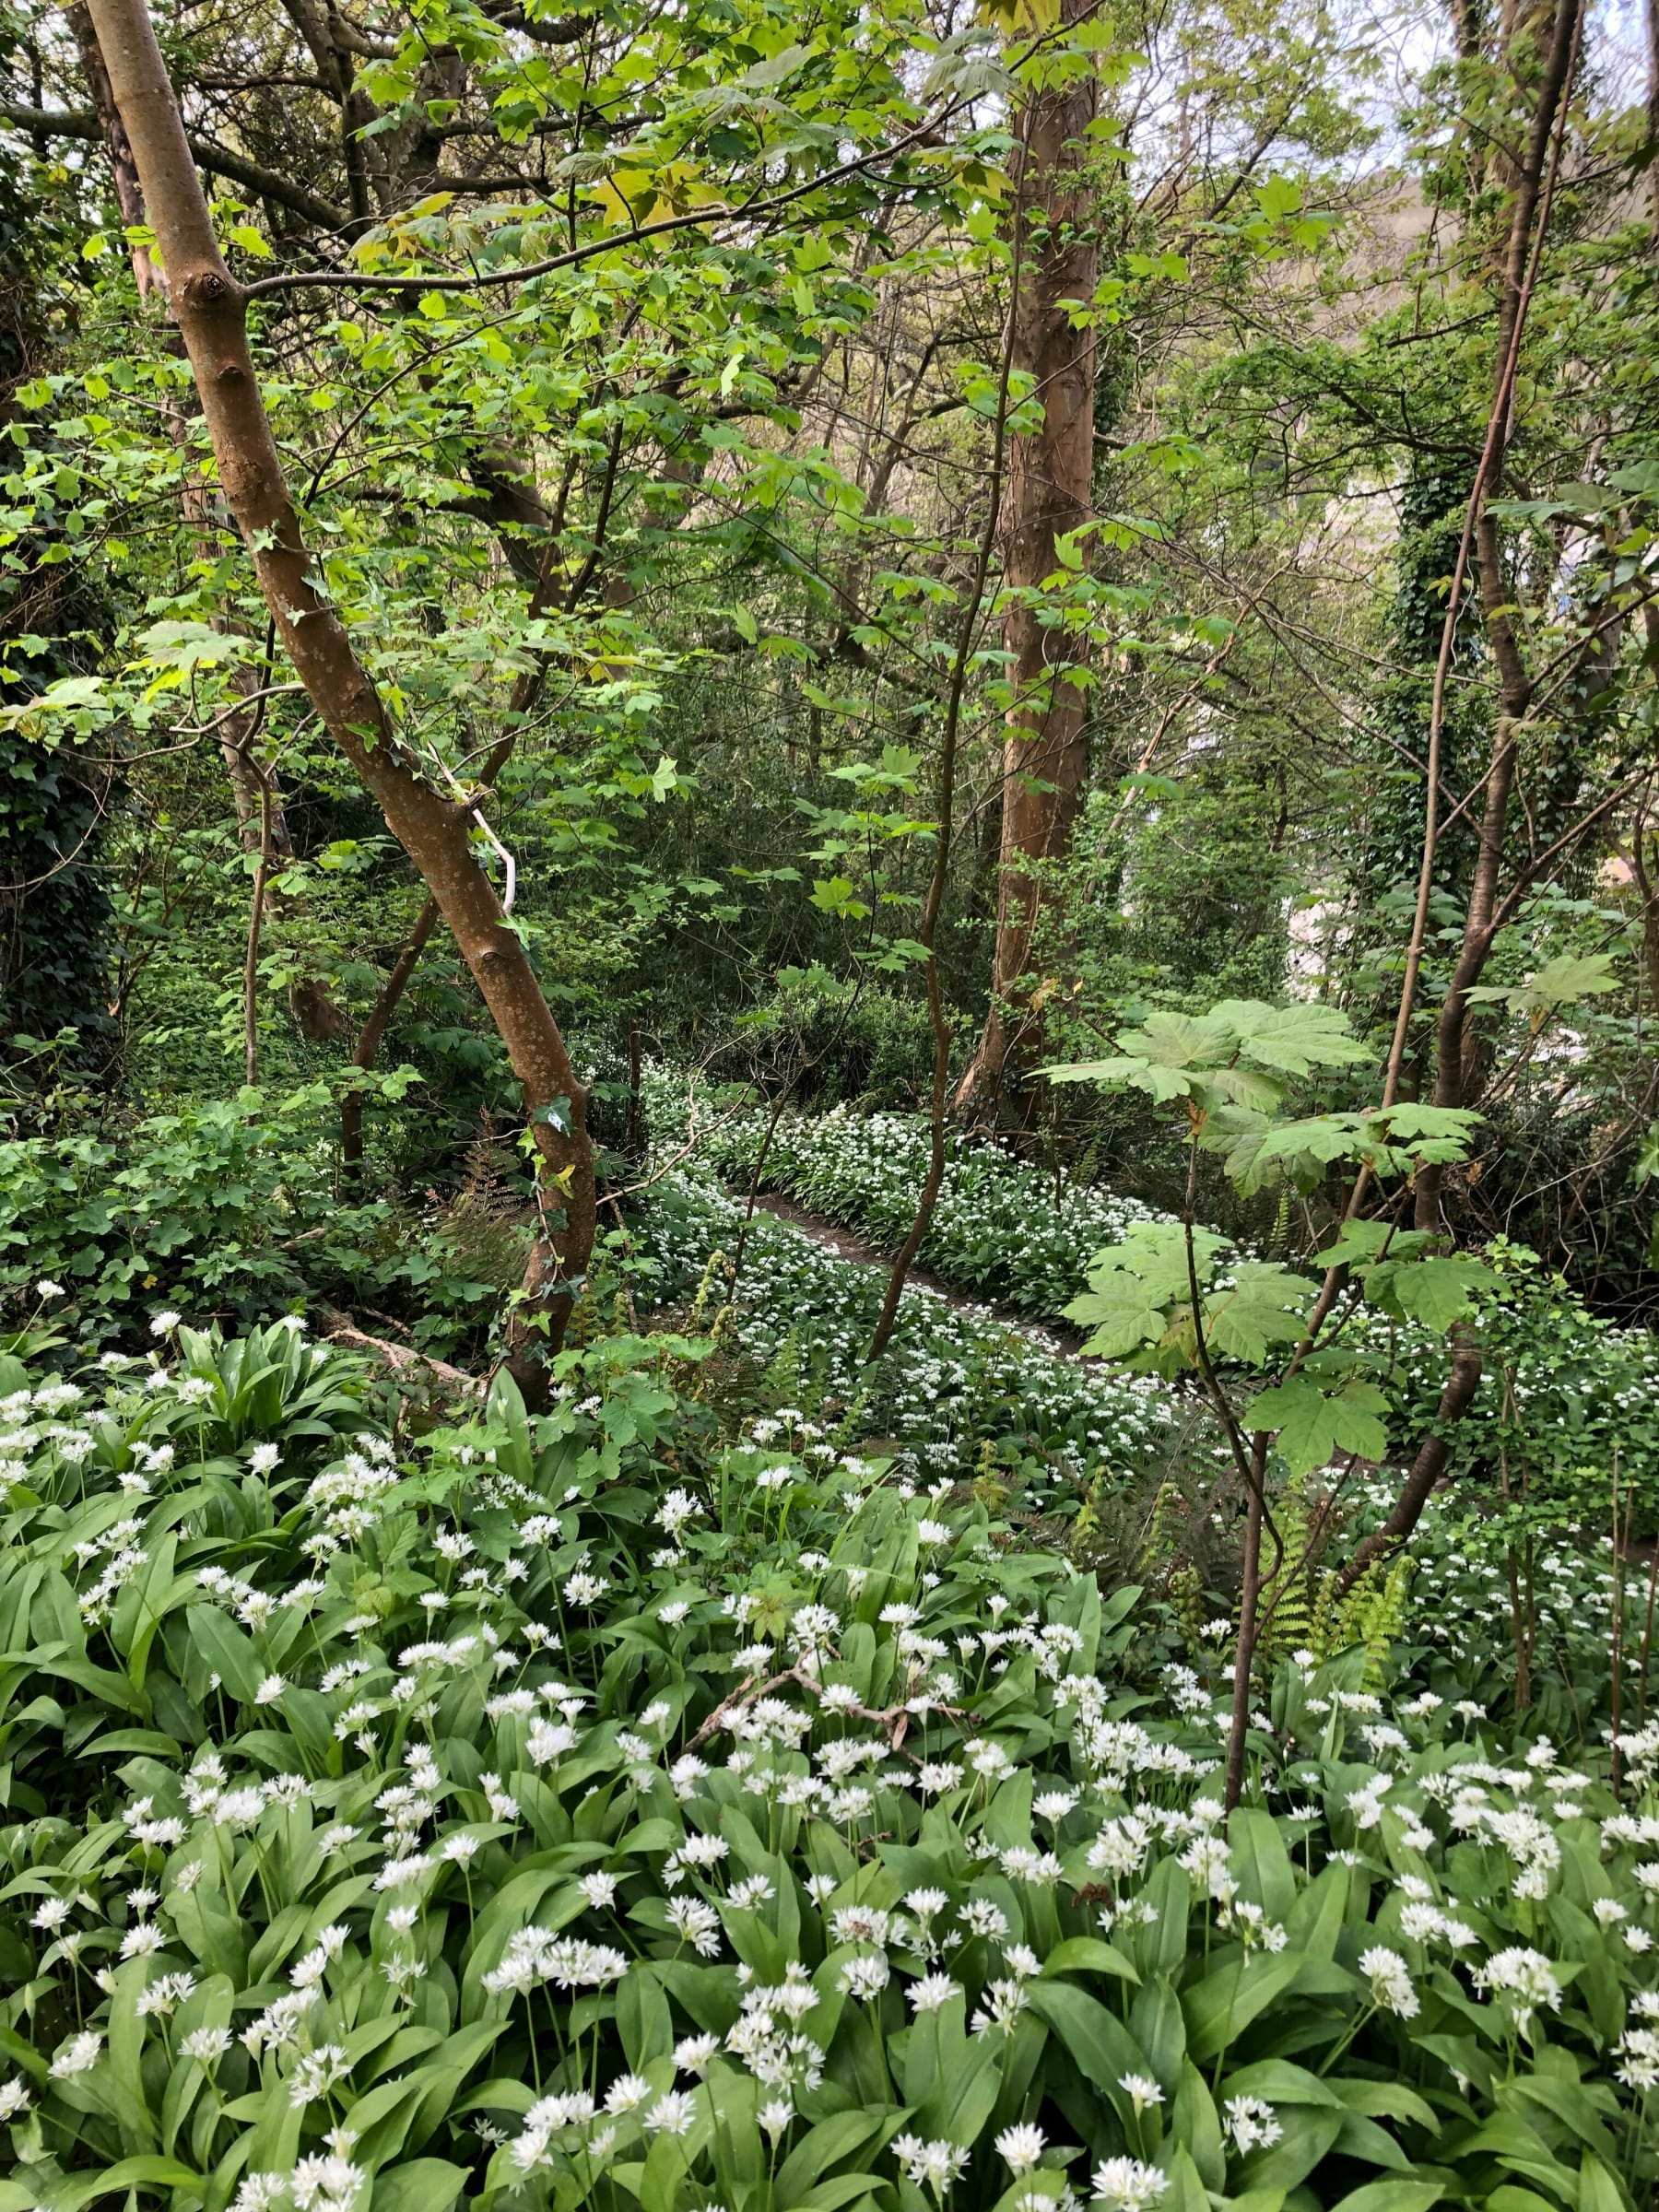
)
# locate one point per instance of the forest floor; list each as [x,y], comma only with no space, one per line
[846,1244]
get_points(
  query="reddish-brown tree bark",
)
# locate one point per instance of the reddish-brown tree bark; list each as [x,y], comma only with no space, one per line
[211,312]
[1051,471]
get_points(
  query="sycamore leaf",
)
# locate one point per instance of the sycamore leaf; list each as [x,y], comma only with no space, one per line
[1411,1120]
[1245,1088]
[1359,1241]
[1162,1083]
[1120,1318]
[1178,1041]
[1292,1039]
[1261,1307]
[1559,982]
[1314,1425]
[1434,1291]
[1132,1286]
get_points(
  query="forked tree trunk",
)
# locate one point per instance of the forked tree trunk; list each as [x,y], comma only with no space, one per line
[1051,472]
[211,312]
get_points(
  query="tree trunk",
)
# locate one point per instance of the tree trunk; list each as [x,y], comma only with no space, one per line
[1426,1469]
[1529,217]
[123,170]
[211,311]
[1051,471]
[374,1028]
[312,1003]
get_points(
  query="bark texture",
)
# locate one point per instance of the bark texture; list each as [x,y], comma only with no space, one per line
[1050,479]
[256,794]
[211,311]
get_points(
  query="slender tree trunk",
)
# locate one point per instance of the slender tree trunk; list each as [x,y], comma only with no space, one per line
[256,907]
[262,827]
[1250,1602]
[1531,195]
[211,310]
[922,1221]
[368,1045]
[1426,1469]
[1051,471]
[123,170]
[257,798]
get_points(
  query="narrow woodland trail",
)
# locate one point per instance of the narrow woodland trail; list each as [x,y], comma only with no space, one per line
[848,1246]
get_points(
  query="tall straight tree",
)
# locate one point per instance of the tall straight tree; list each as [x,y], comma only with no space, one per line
[1045,754]
[211,310]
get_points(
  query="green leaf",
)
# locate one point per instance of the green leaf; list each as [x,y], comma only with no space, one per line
[1293,1038]
[1229,1997]
[1265,1307]
[418,2185]
[1088,1955]
[1597,2189]
[1559,982]
[1434,1291]
[227,1651]
[1391,2194]
[1097,2040]
[1313,1424]
[126,2174]
[1120,1320]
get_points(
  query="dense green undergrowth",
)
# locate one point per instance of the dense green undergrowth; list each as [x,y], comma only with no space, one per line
[644,1805]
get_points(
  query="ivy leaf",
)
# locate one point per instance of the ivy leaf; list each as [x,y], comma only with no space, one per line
[1314,1425]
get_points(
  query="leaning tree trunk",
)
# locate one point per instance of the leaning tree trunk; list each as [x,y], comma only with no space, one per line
[1050,477]
[211,312]
[259,804]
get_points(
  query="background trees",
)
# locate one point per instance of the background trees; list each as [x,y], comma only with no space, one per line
[638,381]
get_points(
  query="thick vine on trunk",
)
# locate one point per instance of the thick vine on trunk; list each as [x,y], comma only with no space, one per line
[211,311]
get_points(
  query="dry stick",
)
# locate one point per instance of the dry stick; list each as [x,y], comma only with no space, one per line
[905,1257]
[1647,1636]
[1518,1629]
[1464,1377]
[1618,1627]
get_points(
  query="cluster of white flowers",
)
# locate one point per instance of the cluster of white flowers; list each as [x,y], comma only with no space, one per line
[958,1372]
[858,1779]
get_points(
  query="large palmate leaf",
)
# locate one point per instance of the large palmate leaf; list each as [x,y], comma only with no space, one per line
[1312,1425]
